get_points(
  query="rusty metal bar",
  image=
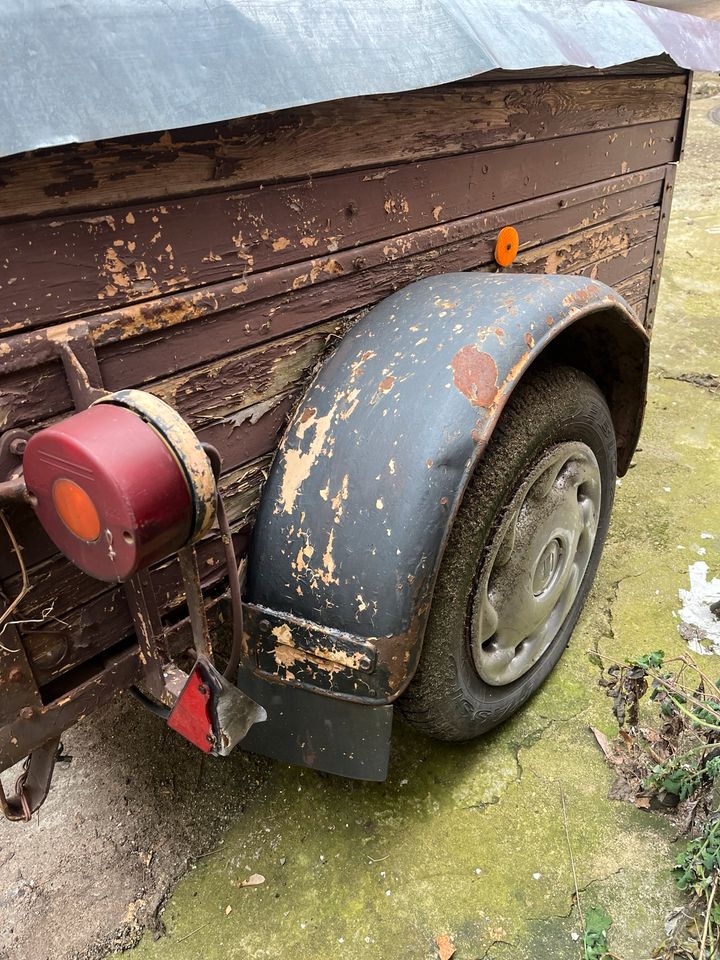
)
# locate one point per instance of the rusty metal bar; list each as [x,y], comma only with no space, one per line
[36,725]
[140,596]
[33,784]
[196,605]
[663,224]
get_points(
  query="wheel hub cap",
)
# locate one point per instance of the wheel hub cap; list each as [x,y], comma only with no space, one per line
[535,563]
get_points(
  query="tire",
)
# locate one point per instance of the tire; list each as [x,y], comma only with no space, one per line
[470,677]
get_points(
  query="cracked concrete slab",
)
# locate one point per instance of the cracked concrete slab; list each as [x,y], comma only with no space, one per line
[482,842]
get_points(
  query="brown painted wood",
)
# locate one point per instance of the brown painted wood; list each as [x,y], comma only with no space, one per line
[132,254]
[29,394]
[346,134]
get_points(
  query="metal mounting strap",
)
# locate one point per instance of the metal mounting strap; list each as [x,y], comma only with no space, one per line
[33,784]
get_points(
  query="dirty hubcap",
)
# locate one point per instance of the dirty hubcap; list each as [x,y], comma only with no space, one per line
[536,563]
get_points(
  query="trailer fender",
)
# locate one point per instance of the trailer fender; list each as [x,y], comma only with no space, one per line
[362,493]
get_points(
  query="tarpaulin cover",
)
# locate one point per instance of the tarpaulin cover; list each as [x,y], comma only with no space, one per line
[79,70]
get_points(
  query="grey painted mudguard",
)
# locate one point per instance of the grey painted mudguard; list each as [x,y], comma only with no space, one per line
[366,482]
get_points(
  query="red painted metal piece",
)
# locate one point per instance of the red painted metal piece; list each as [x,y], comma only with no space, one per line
[191,717]
[136,484]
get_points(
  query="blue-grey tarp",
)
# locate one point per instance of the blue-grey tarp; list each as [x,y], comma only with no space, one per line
[79,70]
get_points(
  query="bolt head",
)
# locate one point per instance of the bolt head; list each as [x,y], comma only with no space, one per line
[26,713]
[18,446]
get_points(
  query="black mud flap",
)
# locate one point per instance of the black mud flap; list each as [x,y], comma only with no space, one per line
[324,733]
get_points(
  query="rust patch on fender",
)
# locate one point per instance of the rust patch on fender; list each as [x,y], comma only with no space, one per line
[475,374]
[582,296]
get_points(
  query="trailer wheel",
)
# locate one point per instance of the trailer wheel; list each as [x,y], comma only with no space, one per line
[521,557]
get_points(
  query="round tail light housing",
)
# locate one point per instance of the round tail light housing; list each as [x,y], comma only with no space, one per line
[120,485]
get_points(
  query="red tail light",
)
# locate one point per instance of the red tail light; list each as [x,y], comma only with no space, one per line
[120,485]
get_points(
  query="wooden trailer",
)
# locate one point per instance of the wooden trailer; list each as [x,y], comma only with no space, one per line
[216,264]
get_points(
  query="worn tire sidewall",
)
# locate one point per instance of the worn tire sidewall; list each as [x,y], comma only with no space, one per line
[556,405]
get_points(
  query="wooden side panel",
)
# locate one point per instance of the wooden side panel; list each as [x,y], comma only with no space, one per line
[223,300]
[347,134]
[135,253]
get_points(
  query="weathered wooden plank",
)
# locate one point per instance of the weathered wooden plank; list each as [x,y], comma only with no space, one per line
[375,279]
[29,394]
[634,288]
[346,134]
[78,264]
[239,404]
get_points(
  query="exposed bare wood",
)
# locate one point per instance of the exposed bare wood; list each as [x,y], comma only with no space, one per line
[345,134]
[30,395]
[129,255]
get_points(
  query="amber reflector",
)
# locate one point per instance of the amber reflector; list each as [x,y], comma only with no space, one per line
[507,246]
[76,510]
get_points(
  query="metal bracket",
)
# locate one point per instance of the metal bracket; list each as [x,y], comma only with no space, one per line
[33,784]
[82,370]
[665,205]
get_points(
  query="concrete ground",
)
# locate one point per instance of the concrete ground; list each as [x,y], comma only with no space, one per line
[472,842]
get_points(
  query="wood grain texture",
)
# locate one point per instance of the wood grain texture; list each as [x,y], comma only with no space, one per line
[360,279]
[133,254]
[465,117]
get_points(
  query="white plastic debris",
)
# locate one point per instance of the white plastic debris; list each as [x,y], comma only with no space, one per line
[697,622]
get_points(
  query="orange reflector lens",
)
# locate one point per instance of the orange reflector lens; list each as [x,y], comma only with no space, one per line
[507,246]
[76,510]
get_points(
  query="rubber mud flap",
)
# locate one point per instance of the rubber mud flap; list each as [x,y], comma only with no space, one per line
[323,733]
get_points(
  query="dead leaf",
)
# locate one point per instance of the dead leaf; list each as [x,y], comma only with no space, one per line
[254,880]
[445,947]
[642,803]
[604,744]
